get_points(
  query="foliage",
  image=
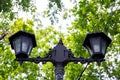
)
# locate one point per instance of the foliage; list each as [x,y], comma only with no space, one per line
[20,24]
[90,16]
[7,5]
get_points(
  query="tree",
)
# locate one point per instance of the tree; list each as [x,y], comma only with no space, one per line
[90,16]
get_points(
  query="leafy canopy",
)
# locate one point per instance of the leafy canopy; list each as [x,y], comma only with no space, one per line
[90,16]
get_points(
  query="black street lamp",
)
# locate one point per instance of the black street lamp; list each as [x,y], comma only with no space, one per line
[22,43]
[96,43]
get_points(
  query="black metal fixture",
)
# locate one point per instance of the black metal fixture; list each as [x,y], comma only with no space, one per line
[22,43]
[96,43]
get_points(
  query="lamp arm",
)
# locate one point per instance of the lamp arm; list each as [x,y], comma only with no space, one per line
[35,60]
[84,60]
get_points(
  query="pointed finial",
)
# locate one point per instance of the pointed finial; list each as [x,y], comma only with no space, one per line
[60,41]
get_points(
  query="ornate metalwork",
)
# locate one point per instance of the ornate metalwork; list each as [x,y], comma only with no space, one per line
[60,56]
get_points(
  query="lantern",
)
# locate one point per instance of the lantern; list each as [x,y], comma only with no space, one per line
[97,43]
[22,43]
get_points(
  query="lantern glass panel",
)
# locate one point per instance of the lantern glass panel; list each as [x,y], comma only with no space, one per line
[17,45]
[89,49]
[95,42]
[25,44]
[30,48]
[104,45]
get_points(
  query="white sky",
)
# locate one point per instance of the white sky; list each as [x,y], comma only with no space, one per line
[43,5]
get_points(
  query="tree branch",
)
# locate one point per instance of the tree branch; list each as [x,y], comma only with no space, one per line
[2,36]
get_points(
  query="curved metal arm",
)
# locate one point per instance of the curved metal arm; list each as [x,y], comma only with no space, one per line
[36,60]
[85,60]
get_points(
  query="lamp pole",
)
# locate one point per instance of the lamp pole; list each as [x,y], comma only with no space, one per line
[59,55]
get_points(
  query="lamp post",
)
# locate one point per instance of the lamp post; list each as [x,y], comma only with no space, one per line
[96,43]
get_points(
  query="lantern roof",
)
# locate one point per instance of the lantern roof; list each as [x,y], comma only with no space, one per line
[96,34]
[22,33]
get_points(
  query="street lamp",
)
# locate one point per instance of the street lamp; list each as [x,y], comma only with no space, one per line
[96,43]
[22,42]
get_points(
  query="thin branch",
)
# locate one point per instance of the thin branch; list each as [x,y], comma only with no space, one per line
[83,71]
[2,36]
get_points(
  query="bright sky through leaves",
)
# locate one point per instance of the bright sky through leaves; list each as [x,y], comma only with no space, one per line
[41,6]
